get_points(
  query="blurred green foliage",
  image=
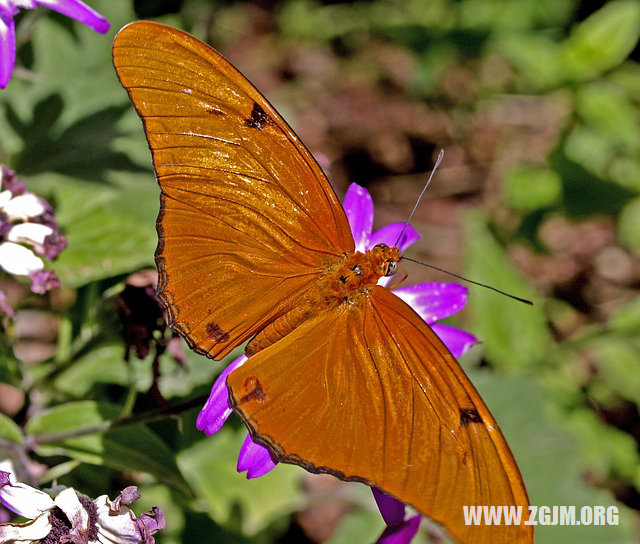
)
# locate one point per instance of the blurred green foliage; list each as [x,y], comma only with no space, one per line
[562,378]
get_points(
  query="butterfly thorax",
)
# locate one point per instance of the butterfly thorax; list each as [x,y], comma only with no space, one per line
[349,279]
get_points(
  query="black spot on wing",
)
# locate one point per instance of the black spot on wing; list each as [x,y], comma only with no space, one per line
[217,333]
[259,118]
[253,390]
[469,415]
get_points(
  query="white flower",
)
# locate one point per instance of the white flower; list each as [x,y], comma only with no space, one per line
[14,258]
[28,231]
[71,517]
[19,260]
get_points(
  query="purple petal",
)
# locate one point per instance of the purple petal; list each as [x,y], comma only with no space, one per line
[434,301]
[43,281]
[255,459]
[457,341]
[127,496]
[389,234]
[53,245]
[175,347]
[358,205]
[5,516]
[154,521]
[401,534]
[151,523]
[79,11]
[4,478]
[10,180]
[7,310]
[392,509]
[216,410]
[7,48]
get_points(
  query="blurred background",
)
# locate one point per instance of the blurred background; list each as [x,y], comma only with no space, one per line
[536,104]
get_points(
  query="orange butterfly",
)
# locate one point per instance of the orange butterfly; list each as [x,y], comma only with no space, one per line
[254,245]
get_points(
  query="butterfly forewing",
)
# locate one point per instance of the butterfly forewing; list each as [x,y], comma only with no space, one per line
[368,392]
[247,217]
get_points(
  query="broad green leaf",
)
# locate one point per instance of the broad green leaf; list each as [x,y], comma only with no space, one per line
[210,468]
[625,171]
[607,109]
[104,364]
[132,447]
[9,430]
[616,359]
[629,226]
[9,372]
[536,58]
[627,77]
[550,458]
[590,149]
[606,451]
[603,40]
[110,228]
[627,318]
[528,189]
[514,335]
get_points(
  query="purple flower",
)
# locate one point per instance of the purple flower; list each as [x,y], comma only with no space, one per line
[400,530]
[27,229]
[9,8]
[432,301]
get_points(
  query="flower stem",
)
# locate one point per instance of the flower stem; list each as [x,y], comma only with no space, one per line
[104,426]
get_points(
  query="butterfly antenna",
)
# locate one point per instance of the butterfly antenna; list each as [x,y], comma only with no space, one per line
[519,299]
[415,206]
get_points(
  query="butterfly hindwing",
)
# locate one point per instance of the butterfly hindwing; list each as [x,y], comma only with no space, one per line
[247,217]
[368,392]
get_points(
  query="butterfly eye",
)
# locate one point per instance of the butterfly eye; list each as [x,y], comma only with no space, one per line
[391,267]
[357,269]
[382,246]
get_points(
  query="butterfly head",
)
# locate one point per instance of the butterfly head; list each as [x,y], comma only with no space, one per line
[387,258]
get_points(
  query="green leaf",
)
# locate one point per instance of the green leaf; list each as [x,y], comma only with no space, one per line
[550,458]
[603,40]
[9,372]
[627,318]
[9,430]
[535,56]
[110,228]
[104,364]
[132,447]
[606,451]
[515,335]
[528,189]
[617,361]
[629,225]
[607,108]
[210,468]
[591,149]
[627,77]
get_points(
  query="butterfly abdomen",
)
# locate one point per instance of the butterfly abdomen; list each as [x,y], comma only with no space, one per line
[278,329]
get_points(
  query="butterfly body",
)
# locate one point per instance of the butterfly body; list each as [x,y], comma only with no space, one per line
[343,376]
[340,284]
